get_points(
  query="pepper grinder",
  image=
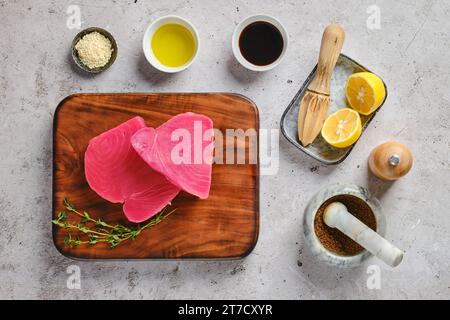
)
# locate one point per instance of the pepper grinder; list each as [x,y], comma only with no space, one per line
[390,161]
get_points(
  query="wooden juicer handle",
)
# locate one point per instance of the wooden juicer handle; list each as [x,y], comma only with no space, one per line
[330,48]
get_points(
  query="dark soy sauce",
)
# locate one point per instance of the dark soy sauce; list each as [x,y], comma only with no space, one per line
[261,43]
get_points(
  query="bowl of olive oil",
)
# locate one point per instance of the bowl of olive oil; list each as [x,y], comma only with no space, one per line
[171,44]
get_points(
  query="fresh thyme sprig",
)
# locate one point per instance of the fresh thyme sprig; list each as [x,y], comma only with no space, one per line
[102,231]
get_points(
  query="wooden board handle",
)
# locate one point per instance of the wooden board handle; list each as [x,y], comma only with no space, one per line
[330,48]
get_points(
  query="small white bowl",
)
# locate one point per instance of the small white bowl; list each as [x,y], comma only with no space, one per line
[146,43]
[237,33]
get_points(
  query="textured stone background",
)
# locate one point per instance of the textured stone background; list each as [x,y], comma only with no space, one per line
[410,52]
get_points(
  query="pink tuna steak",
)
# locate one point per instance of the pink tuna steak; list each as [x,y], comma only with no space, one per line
[118,174]
[182,150]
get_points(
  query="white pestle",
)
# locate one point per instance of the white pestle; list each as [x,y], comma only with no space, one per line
[337,216]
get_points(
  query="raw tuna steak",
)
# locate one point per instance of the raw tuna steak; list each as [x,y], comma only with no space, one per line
[182,150]
[118,174]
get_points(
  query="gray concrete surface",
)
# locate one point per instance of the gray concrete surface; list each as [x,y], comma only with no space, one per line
[411,53]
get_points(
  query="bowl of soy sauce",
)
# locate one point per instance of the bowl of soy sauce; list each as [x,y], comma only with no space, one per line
[259,42]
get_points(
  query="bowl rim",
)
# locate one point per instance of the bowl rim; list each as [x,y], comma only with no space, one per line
[148,34]
[103,32]
[242,25]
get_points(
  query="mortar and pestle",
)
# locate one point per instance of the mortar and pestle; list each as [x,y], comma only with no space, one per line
[344,225]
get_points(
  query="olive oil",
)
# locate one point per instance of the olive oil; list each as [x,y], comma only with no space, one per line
[173,45]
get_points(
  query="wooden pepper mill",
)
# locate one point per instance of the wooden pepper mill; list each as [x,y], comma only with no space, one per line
[390,161]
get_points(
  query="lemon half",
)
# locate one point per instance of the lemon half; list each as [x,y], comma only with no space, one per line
[342,128]
[365,92]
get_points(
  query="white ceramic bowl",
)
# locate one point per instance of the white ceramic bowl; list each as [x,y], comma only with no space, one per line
[146,43]
[241,26]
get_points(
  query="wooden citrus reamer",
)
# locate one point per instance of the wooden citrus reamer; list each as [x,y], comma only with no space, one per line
[315,101]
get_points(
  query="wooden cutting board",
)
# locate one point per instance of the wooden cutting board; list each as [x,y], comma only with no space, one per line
[224,226]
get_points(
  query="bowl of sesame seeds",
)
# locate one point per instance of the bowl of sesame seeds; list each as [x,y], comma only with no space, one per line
[94,50]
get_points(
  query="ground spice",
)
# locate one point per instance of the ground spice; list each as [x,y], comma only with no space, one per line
[94,50]
[333,239]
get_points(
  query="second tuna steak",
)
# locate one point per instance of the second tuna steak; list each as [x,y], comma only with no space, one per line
[181,149]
